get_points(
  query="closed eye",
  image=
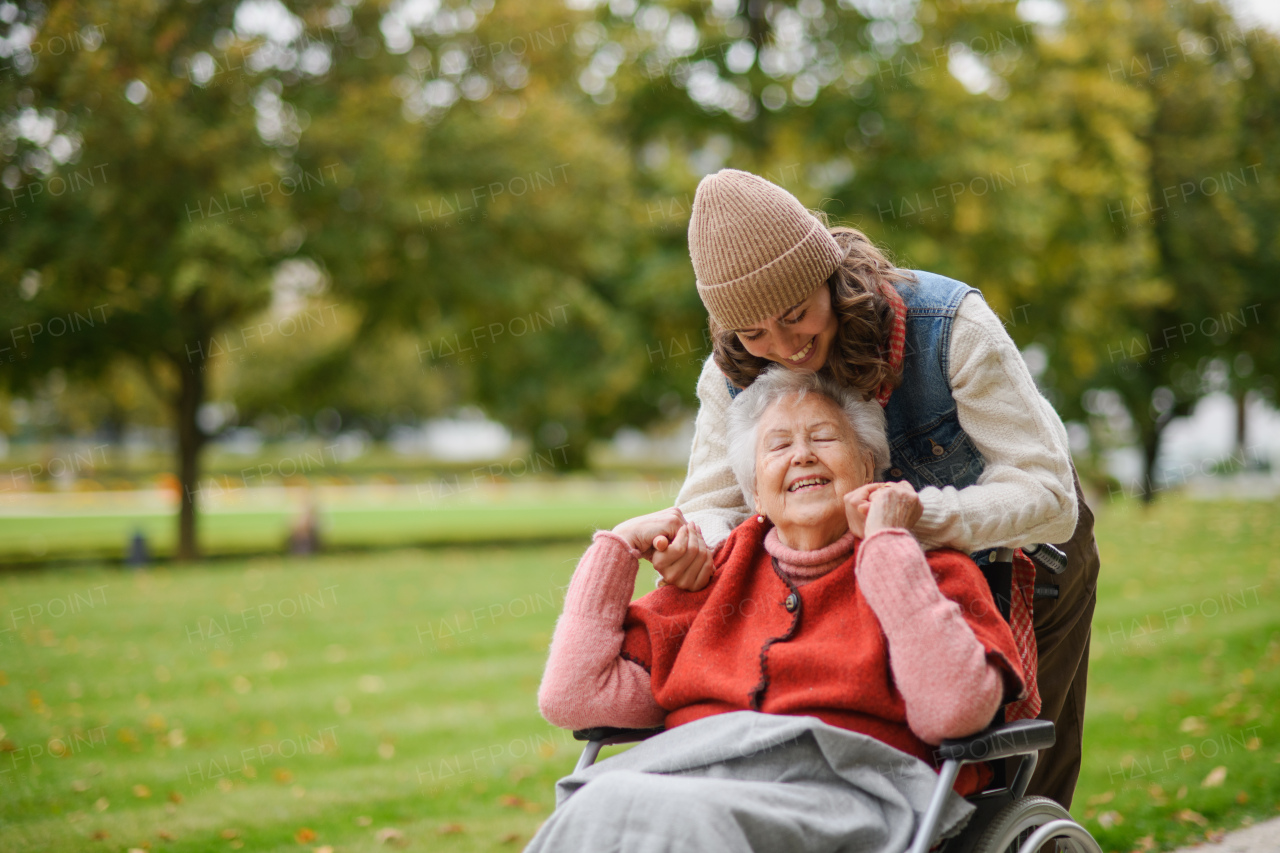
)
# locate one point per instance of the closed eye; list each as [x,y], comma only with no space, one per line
[797,318]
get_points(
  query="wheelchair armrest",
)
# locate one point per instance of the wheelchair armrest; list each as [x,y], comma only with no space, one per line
[609,735]
[999,741]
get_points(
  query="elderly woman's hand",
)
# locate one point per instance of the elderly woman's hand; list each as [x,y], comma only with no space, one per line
[896,505]
[857,504]
[674,546]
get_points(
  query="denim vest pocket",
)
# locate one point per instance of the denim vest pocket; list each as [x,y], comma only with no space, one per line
[941,454]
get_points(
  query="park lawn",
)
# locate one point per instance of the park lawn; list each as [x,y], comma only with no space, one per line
[1184,673]
[105,535]
[250,703]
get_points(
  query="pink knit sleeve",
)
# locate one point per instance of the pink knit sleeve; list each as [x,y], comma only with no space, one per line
[587,683]
[940,667]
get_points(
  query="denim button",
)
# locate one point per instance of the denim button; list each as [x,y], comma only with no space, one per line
[791,603]
[895,472]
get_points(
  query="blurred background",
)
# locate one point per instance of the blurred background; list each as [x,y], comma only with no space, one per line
[393,300]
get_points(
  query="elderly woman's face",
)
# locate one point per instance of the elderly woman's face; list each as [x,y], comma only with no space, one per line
[807,459]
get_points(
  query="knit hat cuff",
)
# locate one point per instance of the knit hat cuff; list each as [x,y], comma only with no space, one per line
[776,286]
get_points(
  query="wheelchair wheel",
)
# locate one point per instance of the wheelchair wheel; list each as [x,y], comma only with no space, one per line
[1017,823]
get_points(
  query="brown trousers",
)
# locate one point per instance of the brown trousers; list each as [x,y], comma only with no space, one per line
[1062,639]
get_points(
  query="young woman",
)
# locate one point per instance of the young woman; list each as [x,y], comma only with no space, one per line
[966,425]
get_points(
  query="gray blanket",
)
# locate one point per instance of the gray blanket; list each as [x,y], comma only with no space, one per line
[748,782]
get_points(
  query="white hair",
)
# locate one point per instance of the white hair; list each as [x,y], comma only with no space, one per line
[865,417]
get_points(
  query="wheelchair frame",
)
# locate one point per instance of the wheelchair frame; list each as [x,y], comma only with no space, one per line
[1007,821]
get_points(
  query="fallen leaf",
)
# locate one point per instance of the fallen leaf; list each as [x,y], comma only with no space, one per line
[283,776]
[388,834]
[386,750]
[364,820]
[450,829]
[509,838]
[141,791]
[164,835]
[1193,726]
[1242,798]
[1216,777]
[1215,835]
[1188,816]
[324,849]
[1102,798]
[136,850]
[511,801]
[224,785]
[1182,792]
[1109,819]
[99,834]
[175,797]
[102,804]
[228,833]
[1145,843]
[302,836]
[79,785]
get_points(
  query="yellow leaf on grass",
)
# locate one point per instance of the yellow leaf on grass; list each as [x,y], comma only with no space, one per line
[1189,816]
[1216,777]
[302,836]
[1099,799]
[141,791]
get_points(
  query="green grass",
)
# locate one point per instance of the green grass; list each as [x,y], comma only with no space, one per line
[397,690]
[1184,673]
[102,531]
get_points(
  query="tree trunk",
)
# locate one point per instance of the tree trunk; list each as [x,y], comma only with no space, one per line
[1241,397]
[190,443]
[1150,450]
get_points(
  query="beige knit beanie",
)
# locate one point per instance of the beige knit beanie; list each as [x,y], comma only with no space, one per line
[756,251]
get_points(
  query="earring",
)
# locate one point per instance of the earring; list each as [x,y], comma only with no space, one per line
[760,519]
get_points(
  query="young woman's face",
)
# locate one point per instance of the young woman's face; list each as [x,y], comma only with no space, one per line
[799,338]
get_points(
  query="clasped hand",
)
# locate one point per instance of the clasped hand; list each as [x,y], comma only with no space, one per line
[674,546]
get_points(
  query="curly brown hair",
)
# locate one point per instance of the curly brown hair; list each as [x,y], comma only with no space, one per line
[860,353]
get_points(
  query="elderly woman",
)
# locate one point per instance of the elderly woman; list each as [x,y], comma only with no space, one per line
[821,605]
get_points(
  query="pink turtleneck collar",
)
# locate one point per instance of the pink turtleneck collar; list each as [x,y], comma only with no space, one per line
[803,567]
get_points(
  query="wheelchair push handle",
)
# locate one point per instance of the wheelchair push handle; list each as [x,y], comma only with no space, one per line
[1047,557]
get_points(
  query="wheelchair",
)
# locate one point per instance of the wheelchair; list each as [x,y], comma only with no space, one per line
[1005,820]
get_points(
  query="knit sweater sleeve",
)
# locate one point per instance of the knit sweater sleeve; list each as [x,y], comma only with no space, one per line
[587,682]
[710,495]
[950,687]
[1025,493]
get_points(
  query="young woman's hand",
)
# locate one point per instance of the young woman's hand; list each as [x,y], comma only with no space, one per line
[674,546]
[895,506]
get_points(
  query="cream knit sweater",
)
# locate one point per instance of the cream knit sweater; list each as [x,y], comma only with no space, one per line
[1025,493]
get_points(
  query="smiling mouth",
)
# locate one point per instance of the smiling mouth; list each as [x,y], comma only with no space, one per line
[804,353]
[808,484]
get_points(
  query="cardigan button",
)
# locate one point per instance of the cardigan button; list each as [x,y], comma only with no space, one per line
[791,603]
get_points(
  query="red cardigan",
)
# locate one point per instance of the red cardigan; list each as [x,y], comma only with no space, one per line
[827,657]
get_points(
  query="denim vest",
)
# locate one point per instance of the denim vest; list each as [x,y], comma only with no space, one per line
[927,446]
